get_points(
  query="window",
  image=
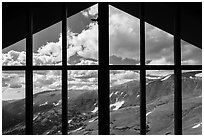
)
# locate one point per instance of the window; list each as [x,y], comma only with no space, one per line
[47,102]
[160,102]
[82,102]
[124,102]
[192,102]
[13,103]
[15,54]
[123,38]
[99,75]
[159,46]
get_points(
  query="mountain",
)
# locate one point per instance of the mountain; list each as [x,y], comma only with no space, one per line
[124,109]
[76,58]
[117,60]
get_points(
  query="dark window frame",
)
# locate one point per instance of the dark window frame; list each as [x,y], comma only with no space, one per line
[103,70]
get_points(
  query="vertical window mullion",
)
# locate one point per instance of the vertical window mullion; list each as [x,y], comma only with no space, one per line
[64,70]
[142,72]
[103,77]
[177,74]
[29,72]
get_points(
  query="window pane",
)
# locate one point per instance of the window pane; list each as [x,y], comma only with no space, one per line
[192,102]
[124,102]
[47,102]
[160,102]
[124,38]
[82,102]
[159,46]
[82,37]
[15,54]
[190,54]
[13,103]
[47,46]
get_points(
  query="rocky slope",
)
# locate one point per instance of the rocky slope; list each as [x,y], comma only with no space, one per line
[124,109]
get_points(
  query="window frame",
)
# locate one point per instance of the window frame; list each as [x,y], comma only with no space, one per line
[103,69]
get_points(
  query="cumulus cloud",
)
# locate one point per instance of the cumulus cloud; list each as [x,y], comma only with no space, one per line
[92,11]
[4,83]
[46,80]
[121,76]
[85,44]
[83,79]
[14,58]
[15,85]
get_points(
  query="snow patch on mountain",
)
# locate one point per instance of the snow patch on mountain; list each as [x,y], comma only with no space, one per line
[117,105]
[35,117]
[56,104]
[153,77]
[69,121]
[198,75]
[148,113]
[92,120]
[165,78]
[77,129]
[95,104]
[111,94]
[43,104]
[95,110]
[197,125]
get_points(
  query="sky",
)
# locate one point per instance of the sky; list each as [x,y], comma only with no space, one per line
[83,39]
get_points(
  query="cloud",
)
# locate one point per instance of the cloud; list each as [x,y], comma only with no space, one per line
[124,39]
[159,72]
[124,42]
[122,76]
[46,80]
[4,84]
[87,75]
[92,11]
[83,79]
[85,44]
[85,87]
[15,85]
[13,58]
[89,39]
[191,55]
[159,46]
